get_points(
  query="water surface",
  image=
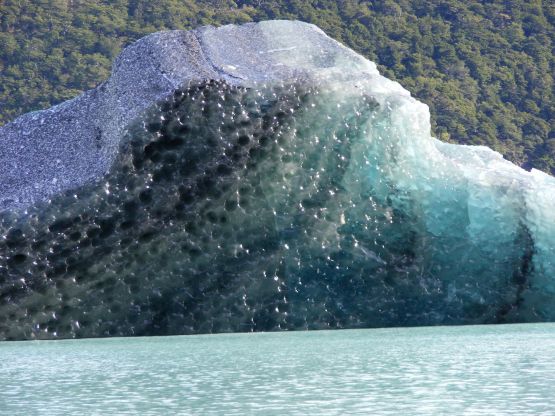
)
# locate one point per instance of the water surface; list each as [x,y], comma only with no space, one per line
[505,369]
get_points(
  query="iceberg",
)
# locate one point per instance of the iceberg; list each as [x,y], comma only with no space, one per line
[255,178]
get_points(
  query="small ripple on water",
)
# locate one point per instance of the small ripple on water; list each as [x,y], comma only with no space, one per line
[444,370]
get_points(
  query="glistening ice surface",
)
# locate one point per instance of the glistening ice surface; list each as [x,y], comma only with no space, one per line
[299,190]
[473,370]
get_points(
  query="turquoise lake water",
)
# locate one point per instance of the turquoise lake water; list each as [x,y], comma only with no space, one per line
[473,370]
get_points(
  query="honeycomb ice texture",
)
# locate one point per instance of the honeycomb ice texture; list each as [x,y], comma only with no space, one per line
[255,178]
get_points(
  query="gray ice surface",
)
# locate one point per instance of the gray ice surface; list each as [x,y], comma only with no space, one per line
[46,152]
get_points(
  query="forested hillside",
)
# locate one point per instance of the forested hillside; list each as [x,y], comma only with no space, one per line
[485,67]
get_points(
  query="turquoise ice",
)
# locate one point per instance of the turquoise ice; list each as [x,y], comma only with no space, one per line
[279,182]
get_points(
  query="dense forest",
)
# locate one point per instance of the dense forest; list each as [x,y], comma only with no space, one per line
[485,67]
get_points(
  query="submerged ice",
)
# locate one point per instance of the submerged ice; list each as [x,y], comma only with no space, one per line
[280,183]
